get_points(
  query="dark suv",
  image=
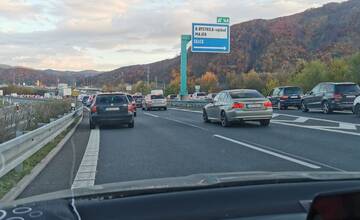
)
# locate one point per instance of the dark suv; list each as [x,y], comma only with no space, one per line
[329,96]
[114,108]
[285,96]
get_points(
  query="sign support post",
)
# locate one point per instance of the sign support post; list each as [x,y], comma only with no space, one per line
[185,39]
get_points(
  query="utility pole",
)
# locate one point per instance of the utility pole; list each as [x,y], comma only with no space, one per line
[148,76]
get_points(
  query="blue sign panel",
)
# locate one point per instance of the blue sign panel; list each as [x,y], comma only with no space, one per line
[210,38]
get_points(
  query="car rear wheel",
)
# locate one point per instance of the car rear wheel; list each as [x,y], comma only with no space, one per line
[131,125]
[303,107]
[165,108]
[357,110]
[265,122]
[325,107]
[205,117]
[224,120]
[134,114]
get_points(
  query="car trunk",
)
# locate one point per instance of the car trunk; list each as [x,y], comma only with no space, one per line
[252,104]
[348,93]
[108,105]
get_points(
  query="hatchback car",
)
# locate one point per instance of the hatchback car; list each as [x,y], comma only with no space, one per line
[329,96]
[153,101]
[111,108]
[286,96]
[133,102]
[238,105]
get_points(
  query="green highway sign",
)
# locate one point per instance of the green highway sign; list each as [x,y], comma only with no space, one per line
[223,20]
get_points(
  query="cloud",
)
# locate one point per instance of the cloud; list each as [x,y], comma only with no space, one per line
[93,34]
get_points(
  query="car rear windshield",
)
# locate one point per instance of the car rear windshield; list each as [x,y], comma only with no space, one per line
[111,99]
[201,94]
[130,98]
[157,97]
[347,88]
[247,94]
[293,91]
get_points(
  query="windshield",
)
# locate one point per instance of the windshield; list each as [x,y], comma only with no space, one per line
[293,91]
[110,99]
[349,88]
[157,97]
[121,91]
[245,94]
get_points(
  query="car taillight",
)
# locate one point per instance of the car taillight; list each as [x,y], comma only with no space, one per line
[93,109]
[337,96]
[238,105]
[284,97]
[130,108]
[267,104]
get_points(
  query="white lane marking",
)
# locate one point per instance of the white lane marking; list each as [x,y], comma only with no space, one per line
[321,128]
[185,110]
[152,115]
[85,176]
[303,163]
[316,119]
[301,120]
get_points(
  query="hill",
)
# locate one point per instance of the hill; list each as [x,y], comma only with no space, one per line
[274,45]
[9,74]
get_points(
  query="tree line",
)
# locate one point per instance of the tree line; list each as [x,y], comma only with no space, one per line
[305,75]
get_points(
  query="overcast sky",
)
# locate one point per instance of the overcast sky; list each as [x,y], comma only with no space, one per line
[107,34]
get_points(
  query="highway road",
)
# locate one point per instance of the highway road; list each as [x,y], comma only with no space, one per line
[178,143]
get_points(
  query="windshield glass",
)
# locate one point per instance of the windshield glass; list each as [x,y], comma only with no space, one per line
[122,91]
[349,88]
[157,97]
[111,99]
[245,94]
[293,91]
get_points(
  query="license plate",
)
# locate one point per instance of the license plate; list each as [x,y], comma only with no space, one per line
[350,96]
[112,109]
[294,97]
[254,105]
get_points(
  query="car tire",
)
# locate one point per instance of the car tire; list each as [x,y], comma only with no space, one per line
[325,107]
[131,125]
[224,120]
[165,108]
[92,125]
[357,110]
[205,117]
[265,122]
[134,114]
[303,107]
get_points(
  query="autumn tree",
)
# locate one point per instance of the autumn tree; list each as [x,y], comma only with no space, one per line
[232,80]
[252,80]
[209,82]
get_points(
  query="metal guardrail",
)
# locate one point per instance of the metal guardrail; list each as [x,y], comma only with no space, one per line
[15,151]
[189,104]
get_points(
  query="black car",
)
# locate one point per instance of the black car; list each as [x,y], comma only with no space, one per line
[138,100]
[285,96]
[114,108]
[84,99]
[329,96]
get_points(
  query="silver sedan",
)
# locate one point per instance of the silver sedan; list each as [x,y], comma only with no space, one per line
[237,106]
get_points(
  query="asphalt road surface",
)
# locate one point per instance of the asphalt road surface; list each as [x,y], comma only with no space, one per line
[178,143]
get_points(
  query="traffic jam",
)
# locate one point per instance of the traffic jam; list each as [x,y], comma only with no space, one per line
[226,107]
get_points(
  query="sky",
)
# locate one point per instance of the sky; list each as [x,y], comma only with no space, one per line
[108,34]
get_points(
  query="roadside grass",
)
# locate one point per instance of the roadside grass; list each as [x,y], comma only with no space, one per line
[8,181]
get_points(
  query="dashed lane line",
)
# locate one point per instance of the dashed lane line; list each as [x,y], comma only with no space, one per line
[284,157]
[86,173]
[152,115]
